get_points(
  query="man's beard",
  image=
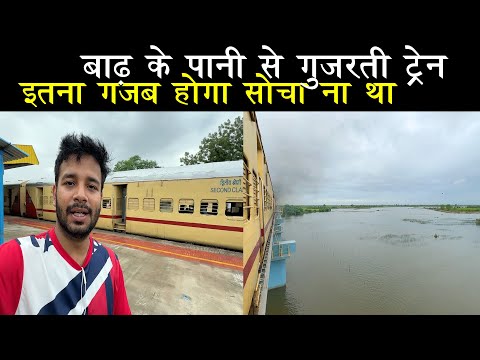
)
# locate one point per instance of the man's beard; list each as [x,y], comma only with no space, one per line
[73,231]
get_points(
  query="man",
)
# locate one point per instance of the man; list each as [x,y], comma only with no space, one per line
[64,270]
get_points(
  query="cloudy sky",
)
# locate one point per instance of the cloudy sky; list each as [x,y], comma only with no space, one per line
[160,136]
[373,157]
[314,157]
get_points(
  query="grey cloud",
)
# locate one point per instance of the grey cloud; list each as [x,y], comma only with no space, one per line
[160,136]
[380,157]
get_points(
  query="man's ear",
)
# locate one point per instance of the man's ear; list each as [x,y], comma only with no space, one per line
[54,191]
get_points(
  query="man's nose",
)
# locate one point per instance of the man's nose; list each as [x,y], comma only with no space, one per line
[80,194]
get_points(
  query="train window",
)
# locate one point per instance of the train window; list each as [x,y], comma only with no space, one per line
[185,206]
[234,208]
[255,191]
[246,189]
[133,203]
[107,203]
[209,207]
[149,204]
[166,205]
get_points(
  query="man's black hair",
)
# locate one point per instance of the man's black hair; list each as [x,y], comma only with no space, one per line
[80,145]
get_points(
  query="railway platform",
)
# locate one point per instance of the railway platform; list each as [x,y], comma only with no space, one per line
[164,277]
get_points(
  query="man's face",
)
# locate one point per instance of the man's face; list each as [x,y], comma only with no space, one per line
[78,196]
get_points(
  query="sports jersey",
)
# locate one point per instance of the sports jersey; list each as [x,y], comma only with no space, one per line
[38,277]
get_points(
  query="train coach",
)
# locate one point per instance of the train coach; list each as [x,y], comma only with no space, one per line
[26,198]
[259,210]
[201,204]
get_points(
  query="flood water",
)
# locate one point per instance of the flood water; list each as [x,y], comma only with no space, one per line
[381,261]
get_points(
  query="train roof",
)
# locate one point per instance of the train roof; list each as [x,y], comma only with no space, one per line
[42,181]
[13,182]
[38,182]
[198,171]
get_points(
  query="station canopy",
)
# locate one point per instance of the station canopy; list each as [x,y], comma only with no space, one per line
[15,155]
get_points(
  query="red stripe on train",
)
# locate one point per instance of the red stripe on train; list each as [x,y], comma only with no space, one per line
[180,223]
[111,216]
[248,266]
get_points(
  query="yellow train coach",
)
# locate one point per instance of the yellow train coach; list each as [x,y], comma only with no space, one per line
[25,198]
[201,204]
[259,207]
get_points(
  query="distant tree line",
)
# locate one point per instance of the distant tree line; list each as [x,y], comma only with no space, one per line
[296,210]
[458,208]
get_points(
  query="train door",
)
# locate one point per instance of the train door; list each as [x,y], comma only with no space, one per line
[9,201]
[16,205]
[120,210]
[40,203]
[261,205]
[124,204]
[30,210]
[23,199]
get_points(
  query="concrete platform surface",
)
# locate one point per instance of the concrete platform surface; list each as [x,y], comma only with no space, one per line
[165,277]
